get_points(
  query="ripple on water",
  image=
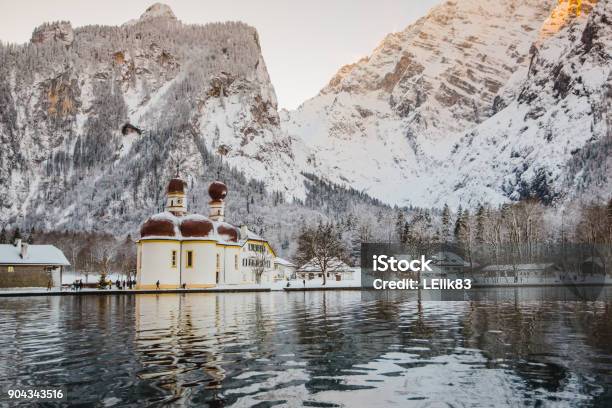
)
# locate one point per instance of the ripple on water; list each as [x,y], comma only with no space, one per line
[340,348]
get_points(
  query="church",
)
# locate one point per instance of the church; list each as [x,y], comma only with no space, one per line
[177,249]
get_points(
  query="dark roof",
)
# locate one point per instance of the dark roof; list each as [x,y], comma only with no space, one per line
[176,185]
[157,227]
[196,228]
[217,190]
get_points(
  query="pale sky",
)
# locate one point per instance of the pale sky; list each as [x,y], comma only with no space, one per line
[304,42]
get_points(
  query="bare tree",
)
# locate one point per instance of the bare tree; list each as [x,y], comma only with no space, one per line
[103,254]
[322,247]
[261,260]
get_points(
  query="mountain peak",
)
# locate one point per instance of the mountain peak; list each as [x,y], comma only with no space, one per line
[158,10]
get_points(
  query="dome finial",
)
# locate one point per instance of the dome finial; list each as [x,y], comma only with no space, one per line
[217,191]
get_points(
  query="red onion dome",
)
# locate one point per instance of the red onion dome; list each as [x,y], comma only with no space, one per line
[196,228]
[157,227]
[176,185]
[217,190]
[228,232]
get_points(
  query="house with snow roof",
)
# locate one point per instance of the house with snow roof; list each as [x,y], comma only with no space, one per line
[24,265]
[337,270]
[177,249]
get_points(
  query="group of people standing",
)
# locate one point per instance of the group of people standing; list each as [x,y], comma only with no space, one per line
[77,284]
[129,284]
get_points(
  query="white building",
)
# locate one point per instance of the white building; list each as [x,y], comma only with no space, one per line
[337,270]
[449,264]
[284,269]
[178,249]
[24,265]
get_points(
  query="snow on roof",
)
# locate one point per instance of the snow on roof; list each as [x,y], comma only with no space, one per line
[220,232]
[334,264]
[447,258]
[254,236]
[517,267]
[282,261]
[36,255]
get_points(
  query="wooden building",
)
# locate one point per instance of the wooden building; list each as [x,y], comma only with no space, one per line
[24,265]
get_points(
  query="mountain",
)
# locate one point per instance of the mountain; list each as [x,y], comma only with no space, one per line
[96,119]
[76,100]
[553,139]
[399,123]
[476,101]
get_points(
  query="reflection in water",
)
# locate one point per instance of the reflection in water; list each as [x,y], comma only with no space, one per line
[343,348]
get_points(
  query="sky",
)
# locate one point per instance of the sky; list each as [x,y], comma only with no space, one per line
[303,42]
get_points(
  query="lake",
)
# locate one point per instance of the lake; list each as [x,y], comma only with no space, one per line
[513,346]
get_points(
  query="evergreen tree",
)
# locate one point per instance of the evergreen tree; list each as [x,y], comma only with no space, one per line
[480,225]
[3,236]
[16,235]
[102,283]
[446,223]
[399,227]
[458,224]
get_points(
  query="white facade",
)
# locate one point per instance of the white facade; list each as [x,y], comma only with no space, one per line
[337,270]
[177,249]
[284,270]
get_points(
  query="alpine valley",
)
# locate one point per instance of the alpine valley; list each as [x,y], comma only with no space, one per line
[479,101]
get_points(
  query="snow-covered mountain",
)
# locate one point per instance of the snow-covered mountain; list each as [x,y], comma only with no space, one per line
[480,100]
[94,121]
[401,123]
[553,139]
[77,102]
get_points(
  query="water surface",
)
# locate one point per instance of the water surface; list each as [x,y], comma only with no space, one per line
[320,349]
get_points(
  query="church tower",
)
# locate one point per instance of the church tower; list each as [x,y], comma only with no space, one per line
[217,191]
[175,197]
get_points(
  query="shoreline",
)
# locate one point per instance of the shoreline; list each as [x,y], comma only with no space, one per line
[96,292]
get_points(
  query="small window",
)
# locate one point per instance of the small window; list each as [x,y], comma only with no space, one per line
[189,259]
[10,269]
[236,262]
[179,201]
[218,261]
[173,261]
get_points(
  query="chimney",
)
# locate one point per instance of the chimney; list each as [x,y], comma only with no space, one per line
[18,244]
[244,230]
[24,250]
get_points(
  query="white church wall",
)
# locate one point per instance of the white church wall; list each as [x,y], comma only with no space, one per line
[232,272]
[156,264]
[202,271]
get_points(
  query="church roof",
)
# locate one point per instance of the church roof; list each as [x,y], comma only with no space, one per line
[166,225]
[35,255]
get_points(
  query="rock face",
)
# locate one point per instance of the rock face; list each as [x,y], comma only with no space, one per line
[400,110]
[158,10]
[480,100]
[60,31]
[438,111]
[129,103]
[554,140]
